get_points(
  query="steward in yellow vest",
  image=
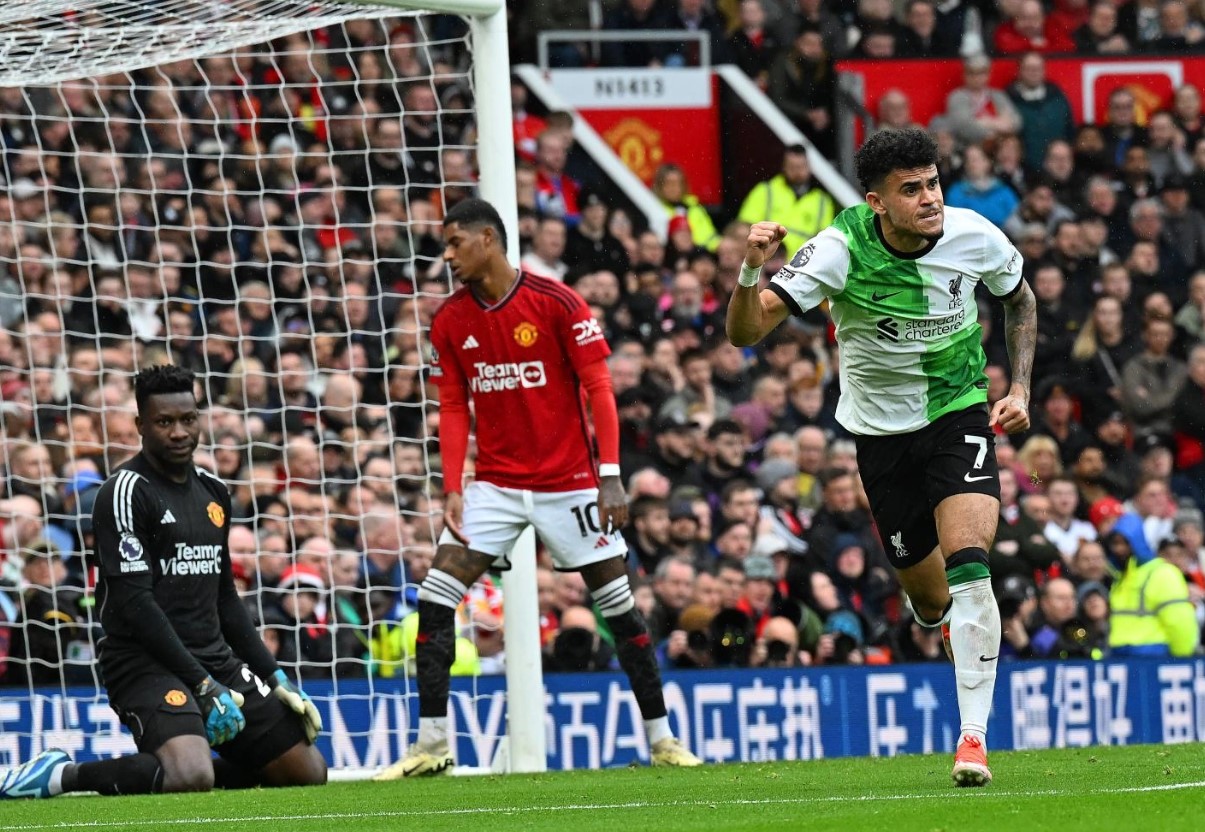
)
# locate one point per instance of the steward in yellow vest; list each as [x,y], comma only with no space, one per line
[791,199]
[1150,613]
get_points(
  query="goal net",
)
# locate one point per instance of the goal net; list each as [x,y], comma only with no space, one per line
[250,188]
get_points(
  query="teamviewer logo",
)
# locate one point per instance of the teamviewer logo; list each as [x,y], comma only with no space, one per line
[889,330]
[531,374]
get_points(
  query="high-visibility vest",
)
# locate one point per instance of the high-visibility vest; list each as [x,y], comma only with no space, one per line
[1150,613]
[804,216]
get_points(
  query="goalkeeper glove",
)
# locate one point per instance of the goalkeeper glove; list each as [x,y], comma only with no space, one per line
[299,702]
[221,709]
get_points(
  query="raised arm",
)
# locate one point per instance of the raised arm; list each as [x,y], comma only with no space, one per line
[753,314]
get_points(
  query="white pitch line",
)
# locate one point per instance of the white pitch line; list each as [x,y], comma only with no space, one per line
[596,807]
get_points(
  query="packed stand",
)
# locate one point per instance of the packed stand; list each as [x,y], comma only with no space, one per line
[293,261]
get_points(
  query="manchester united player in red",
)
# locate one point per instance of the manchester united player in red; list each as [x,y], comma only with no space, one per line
[524,348]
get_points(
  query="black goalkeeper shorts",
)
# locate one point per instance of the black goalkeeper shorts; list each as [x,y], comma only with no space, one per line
[157,707]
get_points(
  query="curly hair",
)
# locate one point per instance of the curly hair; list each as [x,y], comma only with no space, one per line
[161,379]
[475,213]
[890,150]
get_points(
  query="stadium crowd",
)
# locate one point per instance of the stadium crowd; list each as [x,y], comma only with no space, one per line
[282,238]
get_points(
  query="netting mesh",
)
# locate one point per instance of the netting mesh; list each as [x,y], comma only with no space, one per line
[268,216]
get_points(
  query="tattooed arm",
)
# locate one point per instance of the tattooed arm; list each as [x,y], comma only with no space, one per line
[1020,333]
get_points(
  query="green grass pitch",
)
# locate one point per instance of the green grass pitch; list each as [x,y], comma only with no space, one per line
[1137,789]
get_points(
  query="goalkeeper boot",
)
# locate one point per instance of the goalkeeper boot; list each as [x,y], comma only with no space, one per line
[35,778]
[945,642]
[671,752]
[422,761]
[970,764]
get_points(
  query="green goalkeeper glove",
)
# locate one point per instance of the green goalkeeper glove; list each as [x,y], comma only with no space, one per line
[299,702]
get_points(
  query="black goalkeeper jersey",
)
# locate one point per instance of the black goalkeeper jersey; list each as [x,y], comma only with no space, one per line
[163,544]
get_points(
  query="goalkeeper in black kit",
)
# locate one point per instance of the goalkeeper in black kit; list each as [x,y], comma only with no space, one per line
[181,660]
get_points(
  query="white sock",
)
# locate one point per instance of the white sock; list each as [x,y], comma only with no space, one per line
[974,637]
[657,729]
[432,730]
[55,786]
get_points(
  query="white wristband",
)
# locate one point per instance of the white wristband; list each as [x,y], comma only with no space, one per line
[749,277]
[608,469]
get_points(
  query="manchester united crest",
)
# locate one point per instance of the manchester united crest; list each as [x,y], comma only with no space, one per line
[176,698]
[526,334]
[217,515]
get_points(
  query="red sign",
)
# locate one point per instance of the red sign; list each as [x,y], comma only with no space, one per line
[651,117]
[1086,82]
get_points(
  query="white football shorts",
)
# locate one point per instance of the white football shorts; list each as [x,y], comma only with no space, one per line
[566,521]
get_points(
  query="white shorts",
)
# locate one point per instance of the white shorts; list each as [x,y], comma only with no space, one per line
[566,521]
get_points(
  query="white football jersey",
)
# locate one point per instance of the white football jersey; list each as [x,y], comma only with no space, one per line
[907,323]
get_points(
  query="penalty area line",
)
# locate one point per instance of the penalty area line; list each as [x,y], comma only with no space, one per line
[985,794]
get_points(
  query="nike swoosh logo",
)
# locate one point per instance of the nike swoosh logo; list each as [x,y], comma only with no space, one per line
[969,478]
[877,297]
[984,658]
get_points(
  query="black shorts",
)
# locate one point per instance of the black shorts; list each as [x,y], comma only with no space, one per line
[907,475]
[157,707]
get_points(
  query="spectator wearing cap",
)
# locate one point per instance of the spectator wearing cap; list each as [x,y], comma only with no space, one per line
[1112,434]
[1019,548]
[58,643]
[1103,513]
[733,539]
[1018,600]
[760,594]
[778,481]
[675,442]
[1151,613]
[648,534]
[864,588]
[1152,380]
[684,539]
[724,460]
[590,246]
[307,647]
[1183,223]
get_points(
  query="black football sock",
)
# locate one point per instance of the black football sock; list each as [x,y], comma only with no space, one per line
[435,649]
[635,650]
[227,775]
[136,774]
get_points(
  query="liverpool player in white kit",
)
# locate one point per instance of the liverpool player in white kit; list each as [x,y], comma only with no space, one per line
[524,348]
[899,274]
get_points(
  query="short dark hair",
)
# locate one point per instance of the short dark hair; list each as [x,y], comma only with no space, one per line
[890,150]
[474,213]
[159,380]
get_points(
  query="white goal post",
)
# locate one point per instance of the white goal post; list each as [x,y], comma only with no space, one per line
[59,45]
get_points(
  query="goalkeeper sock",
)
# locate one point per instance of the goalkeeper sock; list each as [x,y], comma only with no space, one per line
[975,640]
[636,657]
[135,774]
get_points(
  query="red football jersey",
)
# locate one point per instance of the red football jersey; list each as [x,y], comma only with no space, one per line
[518,360]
